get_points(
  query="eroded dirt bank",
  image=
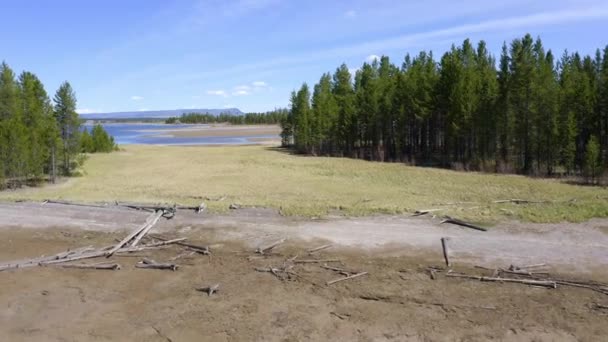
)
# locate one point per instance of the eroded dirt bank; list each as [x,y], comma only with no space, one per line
[396,301]
[578,247]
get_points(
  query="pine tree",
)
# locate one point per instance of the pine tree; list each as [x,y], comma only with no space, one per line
[344,94]
[325,111]
[69,125]
[593,165]
[523,76]
[13,134]
[36,110]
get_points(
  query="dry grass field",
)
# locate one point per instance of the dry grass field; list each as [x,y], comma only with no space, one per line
[313,186]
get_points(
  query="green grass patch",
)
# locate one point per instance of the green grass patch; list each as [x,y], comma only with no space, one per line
[314,186]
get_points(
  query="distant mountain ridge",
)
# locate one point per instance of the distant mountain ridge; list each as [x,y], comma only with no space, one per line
[160,114]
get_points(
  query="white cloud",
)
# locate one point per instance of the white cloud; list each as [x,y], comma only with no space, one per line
[88,111]
[353,71]
[240,93]
[372,58]
[217,93]
[136,98]
[350,14]
[259,84]
[242,87]
[142,109]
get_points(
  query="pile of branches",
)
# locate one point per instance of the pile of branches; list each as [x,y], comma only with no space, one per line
[285,271]
[131,243]
[533,275]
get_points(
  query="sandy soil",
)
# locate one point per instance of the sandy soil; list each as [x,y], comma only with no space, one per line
[224,131]
[397,301]
[579,247]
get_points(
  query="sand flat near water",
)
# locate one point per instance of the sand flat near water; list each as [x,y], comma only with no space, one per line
[225,131]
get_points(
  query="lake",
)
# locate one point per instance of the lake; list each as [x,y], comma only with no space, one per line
[184,134]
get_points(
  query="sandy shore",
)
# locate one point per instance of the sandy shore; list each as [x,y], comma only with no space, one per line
[197,131]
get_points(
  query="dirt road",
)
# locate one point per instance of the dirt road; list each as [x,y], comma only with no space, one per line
[579,247]
[396,301]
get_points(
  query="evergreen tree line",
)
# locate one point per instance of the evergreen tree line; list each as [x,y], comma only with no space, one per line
[529,112]
[267,118]
[38,138]
[97,141]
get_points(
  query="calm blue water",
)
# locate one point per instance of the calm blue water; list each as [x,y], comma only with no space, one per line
[158,134]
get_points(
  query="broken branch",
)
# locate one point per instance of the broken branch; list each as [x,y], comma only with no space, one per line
[346,278]
[462,223]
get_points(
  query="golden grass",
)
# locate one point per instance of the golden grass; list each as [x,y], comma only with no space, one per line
[311,186]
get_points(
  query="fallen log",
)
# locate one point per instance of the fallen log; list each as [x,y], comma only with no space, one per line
[112,267]
[544,283]
[315,261]
[133,234]
[200,249]
[37,261]
[339,270]
[145,231]
[425,211]
[446,251]
[91,205]
[320,248]
[95,254]
[519,201]
[263,250]
[346,278]
[209,289]
[451,220]
[149,263]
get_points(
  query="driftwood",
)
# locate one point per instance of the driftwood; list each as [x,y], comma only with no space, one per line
[519,201]
[90,205]
[95,254]
[314,261]
[339,270]
[451,220]
[112,267]
[200,249]
[425,211]
[446,251]
[149,263]
[277,272]
[346,278]
[320,248]
[234,206]
[201,208]
[209,289]
[59,257]
[182,255]
[129,237]
[263,250]
[544,283]
[149,226]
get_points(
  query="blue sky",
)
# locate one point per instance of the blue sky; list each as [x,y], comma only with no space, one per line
[158,54]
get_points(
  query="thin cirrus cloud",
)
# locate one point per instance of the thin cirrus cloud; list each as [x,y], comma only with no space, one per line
[217,93]
[136,98]
[241,90]
[542,19]
[240,93]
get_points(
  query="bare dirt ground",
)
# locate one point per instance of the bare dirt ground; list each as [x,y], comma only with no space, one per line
[224,131]
[396,301]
